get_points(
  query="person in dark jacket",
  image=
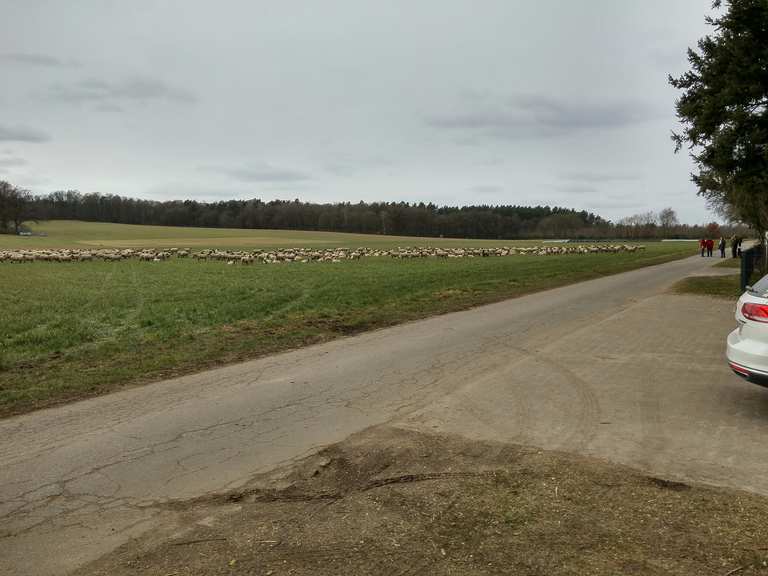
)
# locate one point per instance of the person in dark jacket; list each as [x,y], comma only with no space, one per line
[721,247]
[734,245]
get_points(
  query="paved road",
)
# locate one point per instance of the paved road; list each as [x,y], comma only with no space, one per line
[610,367]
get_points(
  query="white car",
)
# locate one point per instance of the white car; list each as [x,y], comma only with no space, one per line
[747,348]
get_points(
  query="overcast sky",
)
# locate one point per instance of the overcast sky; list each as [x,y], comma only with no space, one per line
[453,102]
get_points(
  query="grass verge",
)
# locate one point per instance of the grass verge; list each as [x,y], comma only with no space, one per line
[729,263]
[69,331]
[717,286]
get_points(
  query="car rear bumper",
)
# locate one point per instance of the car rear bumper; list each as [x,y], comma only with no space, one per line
[748,358]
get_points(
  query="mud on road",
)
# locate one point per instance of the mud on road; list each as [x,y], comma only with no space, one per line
[392,501]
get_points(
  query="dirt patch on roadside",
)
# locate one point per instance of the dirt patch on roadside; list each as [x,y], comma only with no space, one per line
[390,501]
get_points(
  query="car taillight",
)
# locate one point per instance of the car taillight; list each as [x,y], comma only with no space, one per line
[756,312]
[738,369]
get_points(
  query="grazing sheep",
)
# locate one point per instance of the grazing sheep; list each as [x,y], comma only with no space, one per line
[304,255]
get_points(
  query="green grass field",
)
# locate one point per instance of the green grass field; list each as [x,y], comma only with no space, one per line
[72,330]
[75,234]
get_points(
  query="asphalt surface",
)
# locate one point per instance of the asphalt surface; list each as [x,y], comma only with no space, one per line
[613,368]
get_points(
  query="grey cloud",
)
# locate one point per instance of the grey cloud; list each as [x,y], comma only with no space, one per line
[533,116]
[31,180]
[678,193]
[261,173]
[291,187]
[11,161]
[18,133]
[576,188]
[348,166]
[486,189]
[111,96]
[598,177]
[108,107]
[615,202]
[342,169]
[669,59]
[589,182]
[37,60]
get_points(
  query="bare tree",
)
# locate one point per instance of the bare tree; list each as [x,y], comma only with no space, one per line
[641,219]
[649,218]
[668,219]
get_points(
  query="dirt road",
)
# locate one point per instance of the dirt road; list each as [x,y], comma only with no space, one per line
[612,368]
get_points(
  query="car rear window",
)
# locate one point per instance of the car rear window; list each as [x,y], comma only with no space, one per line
[760,288]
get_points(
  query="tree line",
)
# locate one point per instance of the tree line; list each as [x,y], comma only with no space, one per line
[390,218]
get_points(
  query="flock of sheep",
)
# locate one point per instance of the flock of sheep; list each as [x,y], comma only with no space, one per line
[298,254]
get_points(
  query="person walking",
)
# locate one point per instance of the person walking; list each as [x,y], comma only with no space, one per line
[721,247]
[710,247]
[738,247]
[733,246]
[703,246]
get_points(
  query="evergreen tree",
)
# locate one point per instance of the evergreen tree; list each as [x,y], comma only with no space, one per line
[724,111]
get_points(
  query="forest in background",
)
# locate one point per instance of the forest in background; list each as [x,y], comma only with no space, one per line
[389,218]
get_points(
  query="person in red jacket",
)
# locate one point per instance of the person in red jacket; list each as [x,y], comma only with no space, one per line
[710,246]
[703,246]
